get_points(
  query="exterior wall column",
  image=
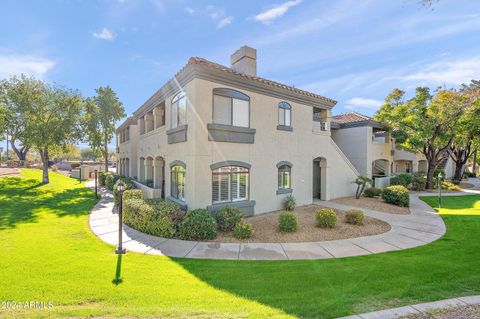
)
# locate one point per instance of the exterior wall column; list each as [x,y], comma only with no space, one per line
[158,173]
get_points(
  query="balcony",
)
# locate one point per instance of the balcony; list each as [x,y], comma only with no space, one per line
[319,124]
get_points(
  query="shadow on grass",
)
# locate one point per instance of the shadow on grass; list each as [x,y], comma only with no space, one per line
[22,200]
[333,288]
[118,272]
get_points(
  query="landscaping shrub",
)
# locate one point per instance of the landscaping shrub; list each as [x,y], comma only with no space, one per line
[198,224]
[450,186]
[132,193]
[111,180]
[288,222]
[169,209]
[396,195]
[402,179]
[372,192]
[290,203]
[325,218]
[354,217]
[228,217]
[419,182]
[102,176]
[243,230]
[456,181]
[471,174]
[54,168]
[143,217]
[128,185]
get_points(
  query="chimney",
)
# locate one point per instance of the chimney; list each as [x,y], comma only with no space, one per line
[244,60]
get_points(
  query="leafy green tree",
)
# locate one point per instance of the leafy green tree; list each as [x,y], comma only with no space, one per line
[17,93]
[67,151]
[53,120]
[102,113]
[425,123]
[88,154]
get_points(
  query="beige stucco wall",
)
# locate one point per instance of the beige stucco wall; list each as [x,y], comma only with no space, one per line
[355,145]
[128,150]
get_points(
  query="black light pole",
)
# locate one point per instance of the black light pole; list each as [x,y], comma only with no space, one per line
[440,176]
[120,189]
[96,195]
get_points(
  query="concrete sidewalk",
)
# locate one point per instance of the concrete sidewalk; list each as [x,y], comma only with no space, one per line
[420,227]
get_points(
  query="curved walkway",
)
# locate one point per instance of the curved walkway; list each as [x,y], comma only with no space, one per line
[419,308]
[420,227]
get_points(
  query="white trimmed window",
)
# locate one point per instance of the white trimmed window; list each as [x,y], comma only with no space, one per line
[284,177]
[284,114]
[230,184]
[231,107]
[179,110]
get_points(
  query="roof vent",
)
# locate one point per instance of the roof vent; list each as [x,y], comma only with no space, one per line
[244,60]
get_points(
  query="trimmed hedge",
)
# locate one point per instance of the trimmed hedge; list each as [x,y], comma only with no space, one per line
[198,224]
[132,193]
[290,203]
[354,217]
[102,176]
[110,180]
[402,179]
[228,217]
[243,230]
[325,218]
[372,192]
[141,216]
[128,185]
[396,195]
[169,209]
[288,222]
[419,182]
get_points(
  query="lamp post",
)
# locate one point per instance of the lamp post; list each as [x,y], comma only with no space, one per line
[120,189]
[440,176]
[96,192]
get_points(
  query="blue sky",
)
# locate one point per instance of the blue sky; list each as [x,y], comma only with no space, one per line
[353,51]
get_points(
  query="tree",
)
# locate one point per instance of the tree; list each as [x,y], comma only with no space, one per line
[88,154]
[361,182]
[467,136]
[68,152]
[17,93]
[425,123]
[53,120]
[102,113]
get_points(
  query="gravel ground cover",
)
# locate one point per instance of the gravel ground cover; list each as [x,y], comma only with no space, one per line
[467,312]
[266,228]
[372,203]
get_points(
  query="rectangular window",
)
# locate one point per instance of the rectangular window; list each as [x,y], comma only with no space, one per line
[240,113]
[284,177]
[174,115]
[178,182]
[182,111]
[229,184]
[222,112]
[281,116]
[287,117]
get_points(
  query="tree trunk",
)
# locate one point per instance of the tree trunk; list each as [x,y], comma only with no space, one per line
[105,151]
[430,171]
[458,172]
[45,159]
[21,153]
[475,162]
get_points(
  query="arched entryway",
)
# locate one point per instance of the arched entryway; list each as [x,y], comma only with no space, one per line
[319,186]
[149,171]
[142,170]
[159,174]
[403,166]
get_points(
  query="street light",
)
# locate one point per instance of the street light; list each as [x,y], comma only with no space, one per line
[440,176]
[96,195]
[120,189]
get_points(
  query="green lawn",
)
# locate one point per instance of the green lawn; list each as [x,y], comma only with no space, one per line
[47,253]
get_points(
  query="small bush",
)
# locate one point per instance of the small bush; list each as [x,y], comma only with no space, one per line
[132,193]
[111,180]
[402,179]
[54,168]
[354,217]
[128,185]
[288,222]
[456,181]
[169,209]
[325,218]
[145,218]
[419,182]
[228,217]
[372,192]
[396,195]
[102,178]
[290,203]
[198,224]
[471,174]
[450,186]
[243,230]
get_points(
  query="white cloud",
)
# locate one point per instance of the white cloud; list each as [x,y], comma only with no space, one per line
[104,34]
[363,103]
[190,11]
[29,65]
[276,12]
[224,22]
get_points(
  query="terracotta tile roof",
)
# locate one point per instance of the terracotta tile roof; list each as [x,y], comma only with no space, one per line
[202,61]
[350,117]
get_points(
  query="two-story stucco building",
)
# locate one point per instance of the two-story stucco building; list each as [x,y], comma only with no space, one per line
[214,136]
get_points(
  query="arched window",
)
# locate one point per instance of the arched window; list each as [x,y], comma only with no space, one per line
[284,175]
[284,114]
[230,184]
[179,110]
[231,107]
[177,182]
